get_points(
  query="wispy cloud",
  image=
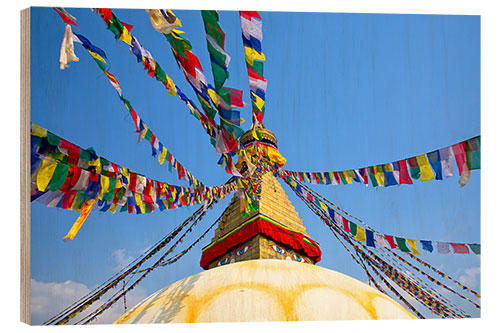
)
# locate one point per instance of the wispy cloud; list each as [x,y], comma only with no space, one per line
[121,259]
[49,298]
[471,277]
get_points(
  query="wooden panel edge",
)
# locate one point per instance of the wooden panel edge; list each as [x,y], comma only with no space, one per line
[25,213]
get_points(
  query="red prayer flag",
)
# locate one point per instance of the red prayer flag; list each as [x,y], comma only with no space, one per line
[249,14]
[460,158]
[390,240]
[65,17]
[459,248]
[404,177]
[337,178]
[133,181]
[126,25]
[346,224]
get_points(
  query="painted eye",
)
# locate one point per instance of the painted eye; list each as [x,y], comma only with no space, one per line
[297,258]
[223,261]
[277,249]
[243,250]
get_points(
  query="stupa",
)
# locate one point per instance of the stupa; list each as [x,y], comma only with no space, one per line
[262,268]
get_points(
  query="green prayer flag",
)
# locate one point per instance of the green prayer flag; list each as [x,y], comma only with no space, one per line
[53,139]
[414,168]
[160,74]
[476,248]
[353,227]
[402,244]
[79,200]
[59,176]
[473,153]
[84,155]
[112,185]
[124,208]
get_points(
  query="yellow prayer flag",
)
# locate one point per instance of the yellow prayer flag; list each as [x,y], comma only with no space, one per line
[112,209]
[126,36]
[360,234]
[96,56]
[388,167]
[426,172]
[172,90]
[84,213]
[140,203]
[413,246]
[322,204]
[379,175]
[213,96]
[251,54]
[45,174]
[38,131]
[162,156]
[104,186]
[259,102]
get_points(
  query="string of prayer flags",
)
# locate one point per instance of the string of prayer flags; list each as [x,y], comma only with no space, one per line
[225,99]
[366,236]
[327,214]
[251,28]
[68,177]
[229,130]
[154,70]
[433,165]
[144,132]
[224,137]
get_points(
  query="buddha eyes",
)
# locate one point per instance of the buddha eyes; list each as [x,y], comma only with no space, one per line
[278,249]
[243,250]
[298,258]
[223,262]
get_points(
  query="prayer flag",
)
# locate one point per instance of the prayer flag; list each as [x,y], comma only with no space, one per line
[381,240]
[404,177]
[369,238]
[402,244]
[67,53]
[425,169]
[354,228]
[446,155]
[66,17]
[84,213]
[390,240]
[389,174]
[45,174]
[360,234]
[460,158]
[413,246]
[427,245]
[473,153]
[443,247]
[414,169]
[435,161]
[476,248]
[459,248]
[346,224]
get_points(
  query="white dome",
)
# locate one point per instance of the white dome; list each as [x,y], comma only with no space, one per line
[265,290]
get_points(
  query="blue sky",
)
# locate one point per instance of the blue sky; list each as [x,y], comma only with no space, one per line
[344,91]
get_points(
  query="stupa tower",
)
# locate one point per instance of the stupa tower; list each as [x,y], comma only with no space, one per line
[274,231]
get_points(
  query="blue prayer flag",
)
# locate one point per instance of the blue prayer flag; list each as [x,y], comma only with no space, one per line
[427,245]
